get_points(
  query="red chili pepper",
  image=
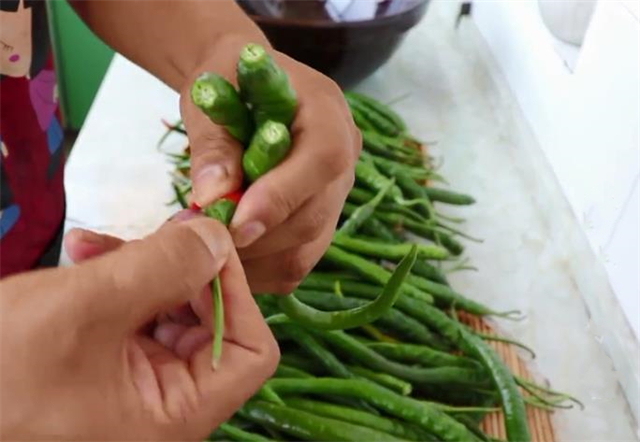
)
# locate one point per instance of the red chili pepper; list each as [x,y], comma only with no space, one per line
[195,207]
[234,196]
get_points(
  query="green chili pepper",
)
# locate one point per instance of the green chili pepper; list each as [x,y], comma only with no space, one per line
[386,380]
[222,210]
[219,100]
[408,409]
[394,321]
[378,121]
[397,221]
[360,120]
[399,144]
[285,371]
[265,87]
[307,426]
[266,393]
[428,271]
[363,212]
[414,190]
[180,197]
[369,270]
[369,176]
[515,414]
[241,435]
[268,147]
[512,403]
[449,197]
[373,145]
[358,195]
[420,354]
[356,316]
[310,345]
[447,297]
[459,376]
[393,427]
[393,252]
[393,168]
[302,363]
[380,108]
[468,422]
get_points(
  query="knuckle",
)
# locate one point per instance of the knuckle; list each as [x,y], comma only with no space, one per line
[349,182]
[296,266]
[263,360]
[269,355]
[280,202]
[285,287]
[212,143]
[336,160]
[332,88]
[188,244]
[311,226]
[357,138]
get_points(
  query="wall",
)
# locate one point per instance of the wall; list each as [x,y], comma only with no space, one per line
[81,60]
[586,122]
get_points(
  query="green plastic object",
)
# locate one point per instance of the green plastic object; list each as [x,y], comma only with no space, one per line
[82,60]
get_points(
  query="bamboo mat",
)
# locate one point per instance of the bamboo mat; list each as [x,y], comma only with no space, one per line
[540,423]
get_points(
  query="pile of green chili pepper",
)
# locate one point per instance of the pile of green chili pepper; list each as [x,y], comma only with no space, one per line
[371,345]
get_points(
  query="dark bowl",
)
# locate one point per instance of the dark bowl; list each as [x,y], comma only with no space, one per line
[348,46]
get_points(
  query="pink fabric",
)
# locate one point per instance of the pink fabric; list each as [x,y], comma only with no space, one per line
[41,91]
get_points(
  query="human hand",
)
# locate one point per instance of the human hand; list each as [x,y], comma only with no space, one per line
[286,219]
[78,361]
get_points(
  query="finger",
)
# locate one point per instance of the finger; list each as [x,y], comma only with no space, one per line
[81,244]
[184,215]
[168,333]
[160,272]
[283,272]
[250,352]
[216,157]
[244,324]
[192,340]
[243,320]
[240,374]
[322,151]
[177,387]
[304,226]
[182,314]
[144,379]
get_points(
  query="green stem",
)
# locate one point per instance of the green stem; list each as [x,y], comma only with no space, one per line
[218,322]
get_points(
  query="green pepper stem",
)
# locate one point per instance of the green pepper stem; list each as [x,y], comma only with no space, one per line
[218,322]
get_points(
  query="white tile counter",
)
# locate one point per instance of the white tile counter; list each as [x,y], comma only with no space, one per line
[534,256]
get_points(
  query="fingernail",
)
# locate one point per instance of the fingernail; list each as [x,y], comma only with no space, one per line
[218,245]
[207,184]
[248,233]
[184,215]
[90,237]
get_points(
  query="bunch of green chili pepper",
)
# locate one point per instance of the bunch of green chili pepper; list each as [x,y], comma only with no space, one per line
[371,345]
[258,116]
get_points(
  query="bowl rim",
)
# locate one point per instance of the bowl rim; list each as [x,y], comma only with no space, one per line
[375,22]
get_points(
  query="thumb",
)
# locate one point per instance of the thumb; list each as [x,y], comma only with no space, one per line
[82,244]
[216,157]
[140,279]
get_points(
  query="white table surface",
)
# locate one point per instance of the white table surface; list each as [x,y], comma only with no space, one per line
[534,256]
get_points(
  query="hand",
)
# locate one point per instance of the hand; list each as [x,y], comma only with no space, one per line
[286,219]
[78,363]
